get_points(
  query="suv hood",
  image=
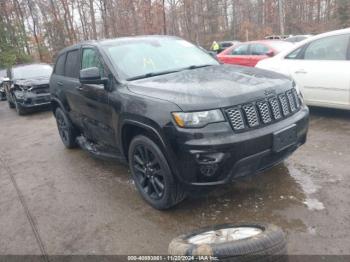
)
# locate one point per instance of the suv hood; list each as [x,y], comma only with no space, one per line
[43,80]
[212,87]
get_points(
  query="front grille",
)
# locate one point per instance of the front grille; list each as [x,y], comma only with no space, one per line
[264,111]
[41,89]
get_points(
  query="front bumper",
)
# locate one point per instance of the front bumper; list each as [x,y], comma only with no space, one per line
[216,155]
[30,99]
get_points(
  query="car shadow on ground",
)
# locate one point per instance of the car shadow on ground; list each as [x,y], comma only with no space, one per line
[329,112]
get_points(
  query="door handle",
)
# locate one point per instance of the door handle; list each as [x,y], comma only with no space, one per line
[60,83]
[301,71]
[79,87]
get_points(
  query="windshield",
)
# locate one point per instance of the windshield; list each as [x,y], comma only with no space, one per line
[32,71]
[139,57]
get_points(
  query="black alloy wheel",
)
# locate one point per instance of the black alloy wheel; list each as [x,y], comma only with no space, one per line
[62,127]
[152,174]
[65,129]
[148,172]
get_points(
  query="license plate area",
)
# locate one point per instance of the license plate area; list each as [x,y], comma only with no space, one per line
[284,138]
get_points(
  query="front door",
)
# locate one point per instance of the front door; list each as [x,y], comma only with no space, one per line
[97,114]
[258,52]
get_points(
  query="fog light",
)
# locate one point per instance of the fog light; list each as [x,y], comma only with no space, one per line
[208,170]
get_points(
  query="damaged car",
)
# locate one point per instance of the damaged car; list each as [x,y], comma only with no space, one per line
[180,119]
[28,87]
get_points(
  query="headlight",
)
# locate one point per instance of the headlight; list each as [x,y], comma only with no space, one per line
[25,88]
[198,119]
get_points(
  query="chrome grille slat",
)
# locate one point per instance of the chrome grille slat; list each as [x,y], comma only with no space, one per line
[251,115]
[284,104]
[296,98]
[264,112]
[236,118]
[291,101]
[276,110]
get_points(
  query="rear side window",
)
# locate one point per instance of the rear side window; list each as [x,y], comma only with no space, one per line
[328,48]
[241,50]
[72,66]
[59,68]
[259,49]
[91,59]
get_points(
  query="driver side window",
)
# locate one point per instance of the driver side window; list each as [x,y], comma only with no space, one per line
[91,59]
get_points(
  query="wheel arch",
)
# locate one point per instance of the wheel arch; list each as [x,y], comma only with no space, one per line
[55,103]
[132,128]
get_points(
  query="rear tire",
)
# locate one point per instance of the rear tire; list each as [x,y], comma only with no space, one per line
[66,129]
[152,174]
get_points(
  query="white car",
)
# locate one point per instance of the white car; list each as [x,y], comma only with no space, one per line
[320,66]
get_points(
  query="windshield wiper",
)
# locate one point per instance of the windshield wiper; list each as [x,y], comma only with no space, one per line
[198,66]
[151,75]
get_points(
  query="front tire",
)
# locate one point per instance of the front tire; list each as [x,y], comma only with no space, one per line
[19,109]
[9,101]
[152,174]
[66,129]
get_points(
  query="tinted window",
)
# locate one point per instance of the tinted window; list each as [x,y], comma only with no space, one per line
[91,59]
[31,71]
[328,48]
[72,66]
[259,49]
[59,68]
[240,50]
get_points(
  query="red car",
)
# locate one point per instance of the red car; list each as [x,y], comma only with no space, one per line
[250,53]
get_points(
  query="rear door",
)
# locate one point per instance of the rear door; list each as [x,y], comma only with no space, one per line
[239,55]
[97,114]
[258,52]
[322,71]
[70,85]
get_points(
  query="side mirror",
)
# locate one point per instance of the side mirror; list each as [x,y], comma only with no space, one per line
[270,53]
[91,76]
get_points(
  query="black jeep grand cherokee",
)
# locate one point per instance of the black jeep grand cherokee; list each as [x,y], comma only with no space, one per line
[178,116]
[28,87]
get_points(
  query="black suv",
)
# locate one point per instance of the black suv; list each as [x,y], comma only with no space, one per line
[28,87]
[178,116]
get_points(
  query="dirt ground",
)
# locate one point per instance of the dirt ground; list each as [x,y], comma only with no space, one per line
[59,201]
